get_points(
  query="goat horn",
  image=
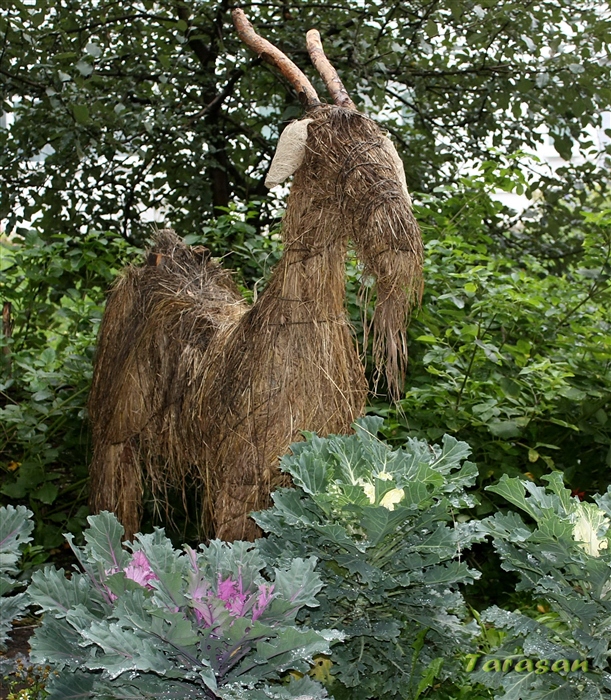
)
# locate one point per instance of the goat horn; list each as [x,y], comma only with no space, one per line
[268,52]
[327,72]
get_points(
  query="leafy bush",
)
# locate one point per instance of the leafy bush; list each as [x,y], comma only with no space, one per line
[564,557]
[56,289]
[507,356]
[385,525]
[15,528]
[148,621]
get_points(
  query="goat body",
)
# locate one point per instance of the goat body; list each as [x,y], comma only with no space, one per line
[192,386]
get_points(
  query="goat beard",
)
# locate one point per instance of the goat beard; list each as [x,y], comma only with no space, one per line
[396,295]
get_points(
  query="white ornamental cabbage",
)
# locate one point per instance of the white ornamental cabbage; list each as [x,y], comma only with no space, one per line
[390,498]
[590,528]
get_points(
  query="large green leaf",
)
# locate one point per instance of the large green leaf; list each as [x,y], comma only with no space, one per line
[124,650]
[71,686]
[378,522]
[300,584]
[103,539]
[310,472]
[57,643]
[512,489]
[168,565]
[140,612]
[293,650]
[15,529]
[56,594]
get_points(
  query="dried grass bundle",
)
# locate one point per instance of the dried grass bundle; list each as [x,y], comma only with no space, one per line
[197,387]
[158,322]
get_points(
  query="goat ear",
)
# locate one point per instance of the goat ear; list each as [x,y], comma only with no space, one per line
[389,147]
[290,152]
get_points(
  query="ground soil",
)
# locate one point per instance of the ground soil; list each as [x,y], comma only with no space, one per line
[18,648]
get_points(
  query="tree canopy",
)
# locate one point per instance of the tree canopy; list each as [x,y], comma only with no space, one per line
[120,108]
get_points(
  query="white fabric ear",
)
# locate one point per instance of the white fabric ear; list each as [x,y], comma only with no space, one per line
[290,152]
[389,147]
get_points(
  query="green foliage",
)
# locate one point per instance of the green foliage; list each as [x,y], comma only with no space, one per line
[385,525]
[508,355]
[55,287]
[15,528]
[562,555]
[154,622]
[158,107]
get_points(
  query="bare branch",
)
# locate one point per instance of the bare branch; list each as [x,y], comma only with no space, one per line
[268,52]
[322,64]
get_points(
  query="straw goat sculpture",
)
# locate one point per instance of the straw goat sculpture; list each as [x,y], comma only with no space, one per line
[192,386]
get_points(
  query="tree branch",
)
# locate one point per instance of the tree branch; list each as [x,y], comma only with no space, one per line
[268,52]
[21,79]
[203,52]
[327,72]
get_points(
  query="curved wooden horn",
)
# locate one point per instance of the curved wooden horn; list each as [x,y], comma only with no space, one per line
[268,52]
[332,80]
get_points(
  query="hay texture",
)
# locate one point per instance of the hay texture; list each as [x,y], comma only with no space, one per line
[158,323]
[291,363]
[194,389]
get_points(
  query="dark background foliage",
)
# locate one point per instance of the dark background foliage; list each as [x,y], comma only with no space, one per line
[157,104]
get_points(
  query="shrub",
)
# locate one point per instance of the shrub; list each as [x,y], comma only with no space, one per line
[509,354]
[56,287]
[15,529]
[148,621]
[385,525]
[561,555]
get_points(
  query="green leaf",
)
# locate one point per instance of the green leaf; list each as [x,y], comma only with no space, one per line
[378,522]
[57,595]
[81,113]
[167,564]
[293,650]
[310,473]
[15,529]
[504,429]
[15,490]
[70,686]
[510,387]
[103,539]
[11,609]
[57,643]
[300,584]
[124,650]
[512,489]
[171,627]
[334,534]
[427,339]
[46,493]
[430,676]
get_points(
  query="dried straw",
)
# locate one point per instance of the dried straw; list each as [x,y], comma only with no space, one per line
[158,322]
[193,388]
[291,363]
